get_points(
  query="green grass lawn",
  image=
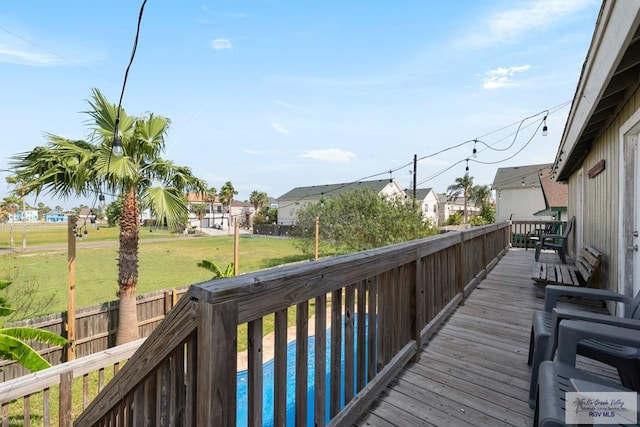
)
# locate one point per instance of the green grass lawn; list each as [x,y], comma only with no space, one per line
[162,264]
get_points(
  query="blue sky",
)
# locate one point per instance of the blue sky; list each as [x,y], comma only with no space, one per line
[273,95]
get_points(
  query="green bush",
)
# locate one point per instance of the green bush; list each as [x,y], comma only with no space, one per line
[455,219]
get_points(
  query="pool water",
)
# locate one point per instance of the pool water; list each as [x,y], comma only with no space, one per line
[268,374]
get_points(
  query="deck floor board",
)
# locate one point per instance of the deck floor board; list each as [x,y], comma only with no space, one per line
[474,369]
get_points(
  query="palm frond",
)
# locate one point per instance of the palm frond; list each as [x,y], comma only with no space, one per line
[12,348]
[24,333]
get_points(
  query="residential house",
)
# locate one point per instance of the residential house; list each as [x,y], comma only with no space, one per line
[428,200]
[527,193]
[55,217]
[210,210]
[300,197]
[244,211]
[29,215]
[598,154]
[447,206]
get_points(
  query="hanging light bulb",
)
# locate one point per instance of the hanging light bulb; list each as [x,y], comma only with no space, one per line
[102,203]
[545,130]
[116,148]
[475,152]
[467,168]
[523,181]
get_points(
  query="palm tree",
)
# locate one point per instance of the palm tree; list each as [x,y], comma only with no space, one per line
[481,194]
[462,186]
[13,341]
[258,199]
[217,271]
[226,196]
[67,167]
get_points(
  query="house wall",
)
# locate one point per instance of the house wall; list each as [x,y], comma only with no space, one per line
[519,204]
[601,197]
[430,207]
[288,209]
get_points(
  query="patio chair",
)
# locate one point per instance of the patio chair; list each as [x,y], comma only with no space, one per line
[533,237]
[543,342]
[557,242]
[560,376]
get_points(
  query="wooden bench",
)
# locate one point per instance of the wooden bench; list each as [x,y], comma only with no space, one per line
[583,273]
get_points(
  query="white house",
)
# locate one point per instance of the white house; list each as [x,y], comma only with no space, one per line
[428,200]
[300,197]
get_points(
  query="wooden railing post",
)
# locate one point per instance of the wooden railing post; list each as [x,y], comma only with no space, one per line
[460,267]
[418,307]
[65,403]
[217,363]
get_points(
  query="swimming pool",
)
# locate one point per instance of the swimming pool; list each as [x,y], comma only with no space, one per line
[268,374]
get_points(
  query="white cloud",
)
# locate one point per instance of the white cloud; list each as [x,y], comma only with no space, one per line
[506,26]
[501,77]
[219,44]
[254,152]
[330,155]
[12,56]
[279,128]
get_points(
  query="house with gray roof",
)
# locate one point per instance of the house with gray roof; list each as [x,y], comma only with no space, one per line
[300,197]
[527,193]
[427,199]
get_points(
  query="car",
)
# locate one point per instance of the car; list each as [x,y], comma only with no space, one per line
[217,226]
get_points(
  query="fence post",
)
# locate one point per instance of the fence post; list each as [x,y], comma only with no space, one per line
[217,363]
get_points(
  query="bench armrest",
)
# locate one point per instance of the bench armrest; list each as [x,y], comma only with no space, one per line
[571,332]
[553,292]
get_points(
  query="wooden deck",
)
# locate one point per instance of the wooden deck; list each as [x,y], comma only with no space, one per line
[474,370]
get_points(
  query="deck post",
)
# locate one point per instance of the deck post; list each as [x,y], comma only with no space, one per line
[217,363]
[418,307]
[460,267]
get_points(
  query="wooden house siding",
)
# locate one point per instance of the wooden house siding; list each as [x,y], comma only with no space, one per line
[601,196]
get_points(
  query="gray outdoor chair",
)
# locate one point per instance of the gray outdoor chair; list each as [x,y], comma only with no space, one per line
[543,342]
[557,242]
[559,376]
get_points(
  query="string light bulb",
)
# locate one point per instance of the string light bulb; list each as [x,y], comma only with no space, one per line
[545,130]
[116,148]
[523,181]
[102,202]
[467,168]
[475,152]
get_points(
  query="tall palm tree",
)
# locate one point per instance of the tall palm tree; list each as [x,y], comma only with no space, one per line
[464,186]
[481,194]
[210,197]
[258,199]
[66,167]
[13,341]
[226,197]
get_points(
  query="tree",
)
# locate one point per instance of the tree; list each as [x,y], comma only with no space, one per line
[217,271]
[266,215]
[13,341]
[226,196]
[67,167]
[359,220]
[462,186]
[259,199]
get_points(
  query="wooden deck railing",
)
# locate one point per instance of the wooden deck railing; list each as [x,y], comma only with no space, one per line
[51,390]
[520,231]
[185,373]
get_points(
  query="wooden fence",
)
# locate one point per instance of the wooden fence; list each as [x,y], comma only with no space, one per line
[96,328]
[185,373]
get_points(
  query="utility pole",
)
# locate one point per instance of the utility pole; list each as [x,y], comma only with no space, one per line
[71,287]
[415,177]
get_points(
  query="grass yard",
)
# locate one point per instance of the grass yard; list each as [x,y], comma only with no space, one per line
[164,263]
